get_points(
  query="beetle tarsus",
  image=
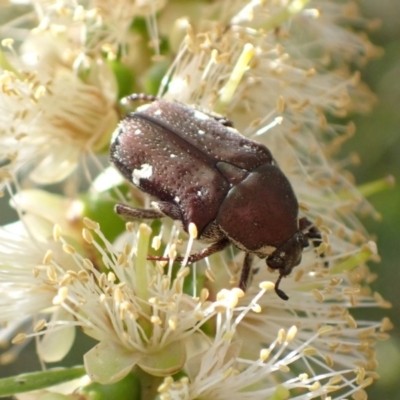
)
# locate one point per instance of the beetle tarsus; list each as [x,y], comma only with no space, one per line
[139,97]
[157,258]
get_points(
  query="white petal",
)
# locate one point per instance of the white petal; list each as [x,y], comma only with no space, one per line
[107,180]
[59,163]
[108,362]
[56,344]
[168,361]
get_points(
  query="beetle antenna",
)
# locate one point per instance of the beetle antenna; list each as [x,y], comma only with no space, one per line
[278,291]
[138,97]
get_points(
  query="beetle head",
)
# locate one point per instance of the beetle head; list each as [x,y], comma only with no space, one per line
[287,256]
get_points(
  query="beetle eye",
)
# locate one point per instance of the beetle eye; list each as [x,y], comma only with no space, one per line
[304,242]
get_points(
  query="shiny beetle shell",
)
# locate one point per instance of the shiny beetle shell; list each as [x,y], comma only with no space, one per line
[203,171]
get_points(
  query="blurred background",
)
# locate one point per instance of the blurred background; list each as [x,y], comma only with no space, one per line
[377,142]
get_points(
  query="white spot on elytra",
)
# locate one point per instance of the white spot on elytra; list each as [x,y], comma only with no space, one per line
[200,132]
[172,155]
[138,132]
[199,115]
[145,172]
[202,192]
[177,199]
[158,112]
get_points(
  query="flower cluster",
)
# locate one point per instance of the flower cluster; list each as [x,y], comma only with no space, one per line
[278,70]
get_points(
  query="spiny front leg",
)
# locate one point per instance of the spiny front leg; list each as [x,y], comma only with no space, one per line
[213,248]
[132,213]
[162,209]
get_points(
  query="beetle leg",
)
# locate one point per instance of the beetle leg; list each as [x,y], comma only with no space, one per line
[131,213]
[312,233]
[218,117]
[163,209]
[139,97]
[169,209]
[246,273]
[150,98]
[222,120]
[213,248]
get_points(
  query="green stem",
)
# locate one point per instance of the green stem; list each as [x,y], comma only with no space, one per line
[38,380]
[379,185]
[355,260]
[6,66]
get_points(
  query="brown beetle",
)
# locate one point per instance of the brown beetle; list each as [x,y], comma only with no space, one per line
[203,171]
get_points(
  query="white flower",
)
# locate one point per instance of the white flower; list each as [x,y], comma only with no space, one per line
[27,297]
[289,366]
[48,123]
[277,98]
[276,70]
[138,313]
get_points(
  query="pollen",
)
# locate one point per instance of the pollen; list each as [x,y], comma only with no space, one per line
[156,242]
[87,236]
[68,248]
[193,230]
[57,233]
[62,295]
[20,338]
[267,286]
[47,257]
[40,325]
[90,224]
[264,354]
[156,320]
